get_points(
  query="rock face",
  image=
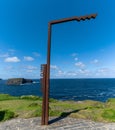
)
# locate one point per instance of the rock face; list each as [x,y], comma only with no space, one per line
[18,81]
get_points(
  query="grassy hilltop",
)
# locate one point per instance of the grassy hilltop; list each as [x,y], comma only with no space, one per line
[30,106]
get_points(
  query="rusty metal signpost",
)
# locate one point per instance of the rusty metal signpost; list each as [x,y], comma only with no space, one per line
[43,84]
[45,68]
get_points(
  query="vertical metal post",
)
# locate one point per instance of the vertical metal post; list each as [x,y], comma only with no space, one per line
[43,84]
[48,75]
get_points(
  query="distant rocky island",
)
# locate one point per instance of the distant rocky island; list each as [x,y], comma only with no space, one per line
[18,81]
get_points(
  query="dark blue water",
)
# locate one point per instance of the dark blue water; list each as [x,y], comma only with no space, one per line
[67,89]
[23,89]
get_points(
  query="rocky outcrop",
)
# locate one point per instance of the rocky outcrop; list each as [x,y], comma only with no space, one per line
[18,81]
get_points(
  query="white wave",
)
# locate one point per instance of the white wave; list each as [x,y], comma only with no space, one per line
[26,84]
[35,82]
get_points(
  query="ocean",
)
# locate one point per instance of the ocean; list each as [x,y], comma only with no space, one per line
[66,89]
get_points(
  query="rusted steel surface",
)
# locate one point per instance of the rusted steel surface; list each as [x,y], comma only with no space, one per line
[47,78]
[43,87]
[74,18]
[48,74]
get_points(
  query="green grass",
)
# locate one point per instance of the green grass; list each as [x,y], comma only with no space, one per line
[7,97]
[31,106]
[109,114]
[6,115]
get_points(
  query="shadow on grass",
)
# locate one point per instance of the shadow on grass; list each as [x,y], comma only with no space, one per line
[2,114]
[63,115]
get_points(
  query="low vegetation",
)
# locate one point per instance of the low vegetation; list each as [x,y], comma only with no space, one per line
[30,106]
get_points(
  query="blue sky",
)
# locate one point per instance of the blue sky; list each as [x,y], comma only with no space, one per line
[83,49]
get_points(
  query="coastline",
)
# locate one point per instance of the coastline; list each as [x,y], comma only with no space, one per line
[66,89]
[31,106]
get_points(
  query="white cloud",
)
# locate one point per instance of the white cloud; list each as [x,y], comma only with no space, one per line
[53,67]
[103,70]
[60,72]
[76,59]
[80,64]
[74,54]
[4,55]
[28,58]
[95,61]
[36,54]
[11,51]
[71,73]
[29,67]
[12,59]
[29,71]
[84,71]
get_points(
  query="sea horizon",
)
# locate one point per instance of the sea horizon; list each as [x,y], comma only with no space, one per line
[99,89]
[63,78]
